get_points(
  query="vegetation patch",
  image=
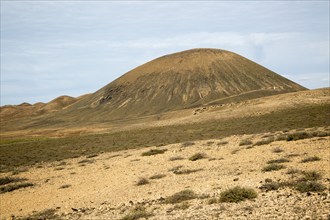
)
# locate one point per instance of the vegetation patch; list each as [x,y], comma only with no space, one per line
[176,158]
[235,151]
[245,142]
[237,194]
[181,206]
[222,143]
[65,186]
[9,188]
[310,159]
[293,171]
[212,201]
[157,176]
[281,160]
[273,167]
[293,155]
[136,213]
[6,180]
[92,155]
[142,181]
[277,150]
[86,161]
[308,186]
[311,176]
[43,215]
[181,196]
[187,144]
[154,152]
[185,171]
[264,142]
[197,156]
[21,153]
[270,186]
[299,135]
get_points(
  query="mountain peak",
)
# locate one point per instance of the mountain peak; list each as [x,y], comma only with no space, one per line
[187,79]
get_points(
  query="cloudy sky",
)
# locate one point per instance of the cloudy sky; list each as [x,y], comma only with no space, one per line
[52,48]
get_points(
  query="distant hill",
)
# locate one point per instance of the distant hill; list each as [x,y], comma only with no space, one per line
[8,112]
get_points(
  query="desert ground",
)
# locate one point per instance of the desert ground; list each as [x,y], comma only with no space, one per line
[128,184]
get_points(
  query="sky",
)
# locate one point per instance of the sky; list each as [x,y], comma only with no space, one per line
[53,48]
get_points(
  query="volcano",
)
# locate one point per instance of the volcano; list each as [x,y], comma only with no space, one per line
[186,79]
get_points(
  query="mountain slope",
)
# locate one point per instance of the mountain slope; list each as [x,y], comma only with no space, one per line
[187,79]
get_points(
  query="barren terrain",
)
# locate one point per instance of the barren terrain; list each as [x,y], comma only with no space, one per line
[104,186]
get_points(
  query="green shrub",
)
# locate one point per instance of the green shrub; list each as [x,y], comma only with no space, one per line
[281,160]
[311,176]
[310,159]
[298,136]
[309,186]
[137,213]
[270,186]
[43,215]
[154,152]
[181,196]
[272,167]
[237,194]
[197,156]
[264,142]
[293,171]
[181,206]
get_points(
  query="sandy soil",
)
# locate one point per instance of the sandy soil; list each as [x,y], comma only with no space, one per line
[105,186]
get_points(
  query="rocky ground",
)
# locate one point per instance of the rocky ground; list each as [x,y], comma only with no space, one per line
[131,185]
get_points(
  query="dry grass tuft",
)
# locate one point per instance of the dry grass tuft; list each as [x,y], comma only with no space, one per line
[181,196]
[154,152]
[157,176]
[310,159]
[197,156]
[273,167]
[237,194]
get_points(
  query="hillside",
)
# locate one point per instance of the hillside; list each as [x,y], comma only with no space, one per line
[183,80]
[186,79]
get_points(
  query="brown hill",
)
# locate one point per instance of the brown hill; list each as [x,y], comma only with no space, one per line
[9,112]
[177,81]
[186,79]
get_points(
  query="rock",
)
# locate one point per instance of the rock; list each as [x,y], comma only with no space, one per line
[74,209]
